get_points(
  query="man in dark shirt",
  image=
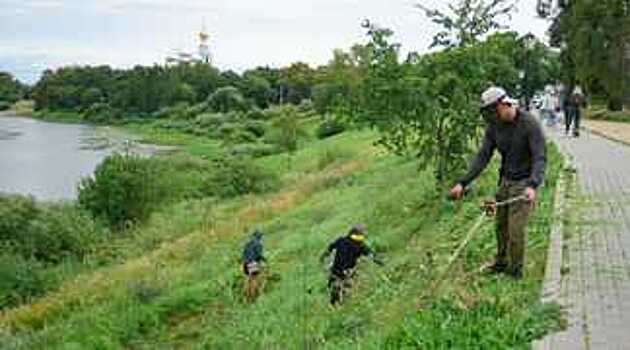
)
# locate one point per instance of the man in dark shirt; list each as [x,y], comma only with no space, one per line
[348,249]
[520,140]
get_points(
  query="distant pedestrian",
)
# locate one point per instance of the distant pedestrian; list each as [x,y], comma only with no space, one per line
[576,102]
[550,106]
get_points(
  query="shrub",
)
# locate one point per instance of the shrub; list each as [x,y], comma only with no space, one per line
[47,233]
[330,127]
[124,189]
[215,120]
[20,279]
[4,105]
[233,176]
[256,127]
[197,109]
[256,114]
[16,214]
[180,110]
[62,231]
[227,99]
[101,113]
[254,150]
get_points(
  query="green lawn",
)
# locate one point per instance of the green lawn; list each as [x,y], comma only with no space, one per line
[177,283]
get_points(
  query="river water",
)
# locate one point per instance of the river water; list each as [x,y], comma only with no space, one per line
[47,160]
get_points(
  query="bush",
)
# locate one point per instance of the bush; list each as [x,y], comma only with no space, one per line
[47,233]
[4,105]
[180,110]
[197,109]
[124,189]
[254,150]
[214,120]
[227,99]
[101,113]
[233,176]
[256,127]
[329,128]
[16,214]
[62,231]
[20,279]
[256,114]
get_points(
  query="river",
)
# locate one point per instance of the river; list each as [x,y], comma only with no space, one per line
[47,160]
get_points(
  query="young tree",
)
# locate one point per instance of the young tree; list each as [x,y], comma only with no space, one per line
[468,21]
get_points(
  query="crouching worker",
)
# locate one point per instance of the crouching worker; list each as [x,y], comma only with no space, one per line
[348,249]
[252,265]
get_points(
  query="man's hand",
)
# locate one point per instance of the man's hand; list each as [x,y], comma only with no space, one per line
[456,192]
[530,194]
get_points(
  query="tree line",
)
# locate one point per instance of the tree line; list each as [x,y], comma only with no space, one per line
[11,90]
[593,37]
[143,90]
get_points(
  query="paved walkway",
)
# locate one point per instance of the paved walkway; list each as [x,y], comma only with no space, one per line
[595,285]
[612,130]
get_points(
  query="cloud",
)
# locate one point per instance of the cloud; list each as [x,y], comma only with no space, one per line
[243,33]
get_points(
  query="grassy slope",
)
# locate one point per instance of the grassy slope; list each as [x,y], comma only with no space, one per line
[185,292]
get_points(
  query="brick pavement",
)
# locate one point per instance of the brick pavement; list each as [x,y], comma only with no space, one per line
[595,285]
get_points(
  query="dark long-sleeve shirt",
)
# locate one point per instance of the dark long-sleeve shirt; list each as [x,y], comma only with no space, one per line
[347,252]
[522,147]
[253,251]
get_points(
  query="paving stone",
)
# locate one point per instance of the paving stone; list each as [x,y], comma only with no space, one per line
[596,290]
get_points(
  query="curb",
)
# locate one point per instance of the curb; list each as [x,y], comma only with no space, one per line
[606,136]
[553,277]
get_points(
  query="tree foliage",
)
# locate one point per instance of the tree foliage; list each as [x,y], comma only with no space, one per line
[468,21]
[427,106]
[11,90]
[592,35]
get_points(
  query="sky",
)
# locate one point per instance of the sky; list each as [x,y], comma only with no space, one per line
[40,34]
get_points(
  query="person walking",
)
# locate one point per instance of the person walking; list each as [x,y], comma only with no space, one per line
[577,102]
[519,138]
[549,106]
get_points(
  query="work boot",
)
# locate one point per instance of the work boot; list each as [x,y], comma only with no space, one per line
[515,272]
[495,268]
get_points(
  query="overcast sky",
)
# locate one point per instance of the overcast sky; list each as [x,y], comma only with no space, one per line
[39,34]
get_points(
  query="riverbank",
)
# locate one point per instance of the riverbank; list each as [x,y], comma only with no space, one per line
[157,292]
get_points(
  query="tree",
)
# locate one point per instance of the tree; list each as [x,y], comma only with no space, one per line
[227,99]
[592,35]
[427,106]
[338,81]
[468,22]
[256,88]
[288,131]
[11,90]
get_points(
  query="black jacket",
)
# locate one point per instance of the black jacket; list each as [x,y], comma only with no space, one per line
[347,252]
[253,251]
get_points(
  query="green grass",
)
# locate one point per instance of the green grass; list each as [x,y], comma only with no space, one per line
[176,283]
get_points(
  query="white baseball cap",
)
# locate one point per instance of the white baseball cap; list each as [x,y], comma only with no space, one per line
[495,94]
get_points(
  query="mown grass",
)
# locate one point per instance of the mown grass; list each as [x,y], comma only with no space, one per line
[185,293]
